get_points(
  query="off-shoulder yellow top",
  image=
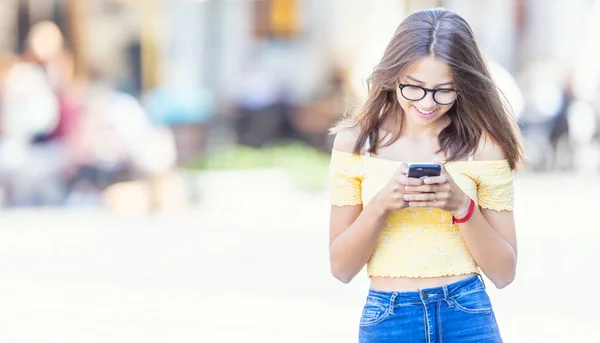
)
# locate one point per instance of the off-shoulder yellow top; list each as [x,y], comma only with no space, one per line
[419,242]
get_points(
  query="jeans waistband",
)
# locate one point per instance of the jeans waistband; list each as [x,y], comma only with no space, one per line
[427,295]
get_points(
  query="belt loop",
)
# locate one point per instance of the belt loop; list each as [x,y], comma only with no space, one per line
[392,301]
[447,296]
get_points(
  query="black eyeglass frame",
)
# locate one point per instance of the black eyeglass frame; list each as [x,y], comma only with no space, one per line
[428,90]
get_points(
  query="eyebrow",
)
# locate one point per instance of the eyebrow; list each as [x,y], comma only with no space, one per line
[439,84]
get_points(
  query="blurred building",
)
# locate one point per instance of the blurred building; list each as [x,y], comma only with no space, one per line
[210,40]
[299,44]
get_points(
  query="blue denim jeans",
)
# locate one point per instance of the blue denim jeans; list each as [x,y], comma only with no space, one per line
[458,312]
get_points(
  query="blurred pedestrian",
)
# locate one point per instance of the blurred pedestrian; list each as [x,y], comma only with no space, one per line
[426,240]
[30,160]
[560,128]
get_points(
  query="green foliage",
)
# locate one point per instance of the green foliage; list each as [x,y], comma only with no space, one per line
[307,165]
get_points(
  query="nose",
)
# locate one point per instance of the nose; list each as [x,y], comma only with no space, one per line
[427,102]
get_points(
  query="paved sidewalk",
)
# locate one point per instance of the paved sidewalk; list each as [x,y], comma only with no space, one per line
[254,269]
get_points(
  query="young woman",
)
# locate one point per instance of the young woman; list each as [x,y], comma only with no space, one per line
[425,240]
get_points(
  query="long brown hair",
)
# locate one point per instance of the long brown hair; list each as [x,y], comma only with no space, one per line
[479,108]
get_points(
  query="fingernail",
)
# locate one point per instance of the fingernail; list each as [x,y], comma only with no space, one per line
[426,180]
[406,197]
[411,204]
[408,188]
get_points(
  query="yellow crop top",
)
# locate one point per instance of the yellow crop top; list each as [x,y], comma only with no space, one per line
[419,242]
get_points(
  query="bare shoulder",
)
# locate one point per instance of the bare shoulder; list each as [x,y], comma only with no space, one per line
[346,138]
[488,150]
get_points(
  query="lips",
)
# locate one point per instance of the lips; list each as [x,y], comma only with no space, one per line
[426,114]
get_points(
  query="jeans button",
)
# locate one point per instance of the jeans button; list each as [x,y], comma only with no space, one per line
[425,296]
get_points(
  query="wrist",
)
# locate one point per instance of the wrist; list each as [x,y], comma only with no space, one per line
[377,205]
[460,218]
[462,210]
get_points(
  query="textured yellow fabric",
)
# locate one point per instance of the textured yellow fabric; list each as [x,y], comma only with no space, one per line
[419,242]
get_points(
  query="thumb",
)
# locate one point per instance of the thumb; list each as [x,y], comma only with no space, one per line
[442,164]
[403,169]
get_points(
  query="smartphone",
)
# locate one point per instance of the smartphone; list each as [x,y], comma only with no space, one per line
[420,170]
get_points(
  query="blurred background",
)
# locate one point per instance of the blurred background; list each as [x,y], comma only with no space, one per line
[163,164]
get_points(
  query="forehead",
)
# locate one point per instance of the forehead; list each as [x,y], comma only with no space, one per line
[431,70]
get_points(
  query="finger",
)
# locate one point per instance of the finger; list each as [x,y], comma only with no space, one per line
[444,171]
[424,189]
[419,197]
[443,178]
[442,196]
[409,181]
[403,169]
[436,180]
[424,204]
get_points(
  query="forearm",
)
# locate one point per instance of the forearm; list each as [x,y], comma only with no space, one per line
[351,250]
[494,255]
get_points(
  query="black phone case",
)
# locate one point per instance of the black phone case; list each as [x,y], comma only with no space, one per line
[420,170]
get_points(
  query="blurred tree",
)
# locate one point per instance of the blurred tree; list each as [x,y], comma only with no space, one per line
[77,16]
[261,27]
[276,19]
[149,45]
[284,18]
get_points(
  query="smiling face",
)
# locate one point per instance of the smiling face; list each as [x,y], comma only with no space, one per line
[430,73]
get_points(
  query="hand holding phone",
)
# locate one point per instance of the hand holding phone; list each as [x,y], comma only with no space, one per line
[391,196]
[438,191]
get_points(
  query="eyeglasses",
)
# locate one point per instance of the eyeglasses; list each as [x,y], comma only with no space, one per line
[442,96]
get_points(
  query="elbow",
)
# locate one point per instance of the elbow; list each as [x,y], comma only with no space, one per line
[342,275]
[501,283]
[343,278]
[504,274]
[501,280]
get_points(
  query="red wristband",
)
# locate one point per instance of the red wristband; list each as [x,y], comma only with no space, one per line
[468,216]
